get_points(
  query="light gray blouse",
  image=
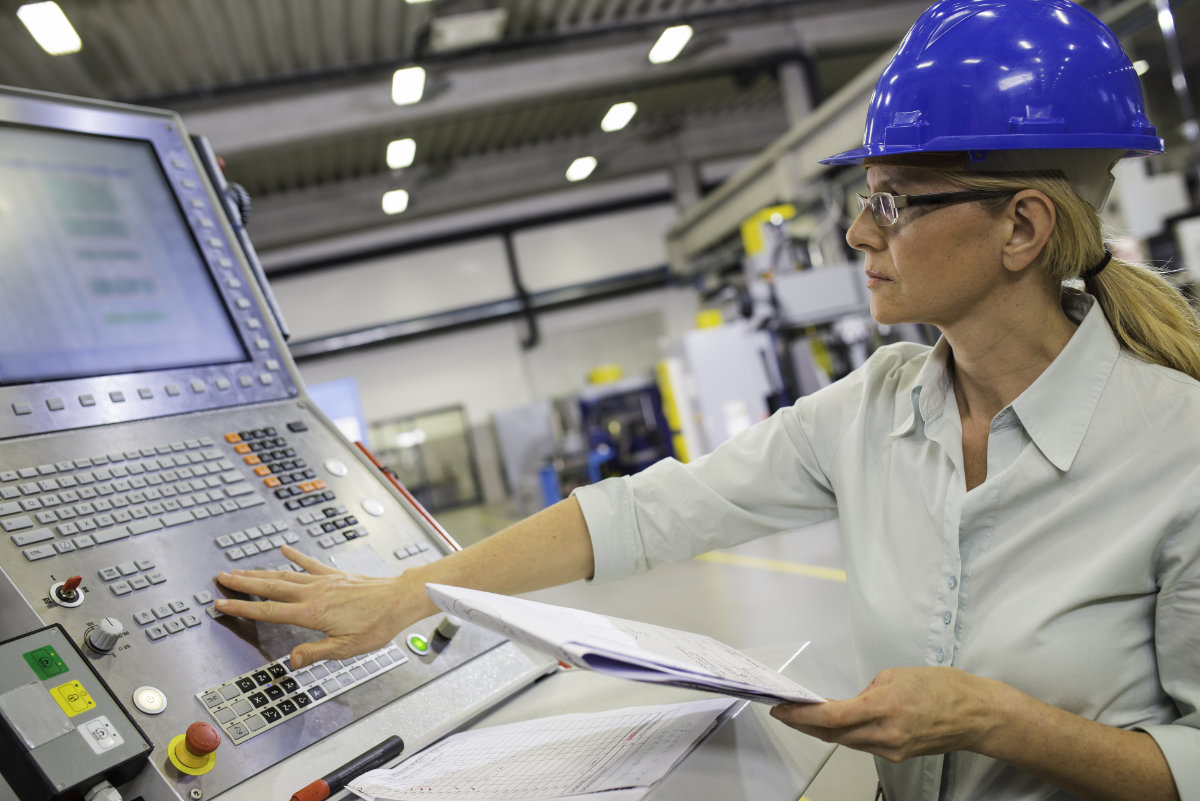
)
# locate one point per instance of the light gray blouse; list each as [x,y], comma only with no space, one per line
[1072,573]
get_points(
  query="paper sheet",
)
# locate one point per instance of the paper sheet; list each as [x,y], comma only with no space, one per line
[614,754]
[628,649]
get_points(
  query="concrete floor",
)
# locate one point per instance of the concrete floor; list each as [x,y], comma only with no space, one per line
[781,589]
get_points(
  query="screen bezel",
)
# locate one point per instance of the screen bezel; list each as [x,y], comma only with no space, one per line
[156,163]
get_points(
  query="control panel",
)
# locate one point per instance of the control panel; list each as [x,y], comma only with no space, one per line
[154,431]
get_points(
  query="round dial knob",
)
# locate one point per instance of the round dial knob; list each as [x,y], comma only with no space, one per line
[104,635]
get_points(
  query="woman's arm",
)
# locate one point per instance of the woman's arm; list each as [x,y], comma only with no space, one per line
[362,613]
[911,712]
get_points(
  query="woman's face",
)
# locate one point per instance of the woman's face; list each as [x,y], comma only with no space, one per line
[937,264]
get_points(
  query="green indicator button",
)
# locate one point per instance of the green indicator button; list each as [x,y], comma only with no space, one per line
[418,644]
[45,662]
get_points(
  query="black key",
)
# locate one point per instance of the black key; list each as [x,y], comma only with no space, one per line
[259,700]
[277,670]
[262,678]
[302,700]
[245,684]
[271,714]
[287,707]
[274,693]
[289,685]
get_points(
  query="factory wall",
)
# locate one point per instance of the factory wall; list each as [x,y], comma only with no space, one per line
[485,368]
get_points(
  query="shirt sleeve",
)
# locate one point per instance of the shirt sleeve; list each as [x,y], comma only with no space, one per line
[772,477]
[1177,641]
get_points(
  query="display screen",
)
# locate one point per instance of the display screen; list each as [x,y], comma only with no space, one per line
[99,273]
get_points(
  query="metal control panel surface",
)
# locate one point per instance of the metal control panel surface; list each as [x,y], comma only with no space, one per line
[146,482]
[150,562]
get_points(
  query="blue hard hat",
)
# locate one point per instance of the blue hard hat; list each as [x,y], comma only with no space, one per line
[1006,75]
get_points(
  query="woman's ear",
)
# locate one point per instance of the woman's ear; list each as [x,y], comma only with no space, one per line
[1031,216]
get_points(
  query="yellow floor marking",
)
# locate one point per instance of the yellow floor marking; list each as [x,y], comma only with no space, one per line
[794,568]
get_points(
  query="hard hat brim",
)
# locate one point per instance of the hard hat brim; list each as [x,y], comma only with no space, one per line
[1131,145]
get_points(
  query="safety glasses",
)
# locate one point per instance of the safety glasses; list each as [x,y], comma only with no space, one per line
[885,207]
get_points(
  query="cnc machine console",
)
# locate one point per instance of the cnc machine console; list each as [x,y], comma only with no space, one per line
[154,431]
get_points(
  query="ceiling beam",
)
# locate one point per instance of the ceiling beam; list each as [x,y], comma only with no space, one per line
[366,104]
[334,210]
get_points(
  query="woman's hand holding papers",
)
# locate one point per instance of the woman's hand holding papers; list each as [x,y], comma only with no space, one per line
[903,713]
[908,712]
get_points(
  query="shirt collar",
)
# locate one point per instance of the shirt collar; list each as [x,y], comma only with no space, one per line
[1057,408]
[931,390]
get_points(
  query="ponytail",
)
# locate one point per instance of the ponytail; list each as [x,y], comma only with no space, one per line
[1150,317]
[1148,314]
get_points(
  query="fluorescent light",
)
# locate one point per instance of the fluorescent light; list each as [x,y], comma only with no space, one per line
[418,2]
[618,116]
[395,201]
[408,85]
[401,153]
[50,27]
[581,168]
[670,44]
[1141,66]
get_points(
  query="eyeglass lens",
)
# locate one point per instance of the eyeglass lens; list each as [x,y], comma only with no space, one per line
[883,207]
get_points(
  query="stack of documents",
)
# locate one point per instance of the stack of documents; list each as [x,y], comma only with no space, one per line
[607,756]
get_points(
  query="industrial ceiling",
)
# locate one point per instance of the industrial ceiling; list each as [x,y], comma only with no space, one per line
[295,96]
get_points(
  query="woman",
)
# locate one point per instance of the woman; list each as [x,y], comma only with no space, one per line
[1017,504]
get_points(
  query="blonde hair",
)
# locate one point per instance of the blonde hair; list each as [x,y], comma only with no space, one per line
[1149,316]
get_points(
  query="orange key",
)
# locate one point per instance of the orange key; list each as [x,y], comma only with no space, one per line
[241,447]
[262,470]
[272,481]
[252,459]
[232,438]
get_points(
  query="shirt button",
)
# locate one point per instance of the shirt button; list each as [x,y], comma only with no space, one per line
[953,582]
[946,618]
[941,655]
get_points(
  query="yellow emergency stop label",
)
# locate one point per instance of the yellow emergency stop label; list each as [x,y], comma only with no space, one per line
[73,698]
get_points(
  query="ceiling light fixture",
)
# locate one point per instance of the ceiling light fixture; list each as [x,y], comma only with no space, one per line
[395,201]
[618,116]
[408,85]
[50,27]
[581,168]
[401,153]
[670,44]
